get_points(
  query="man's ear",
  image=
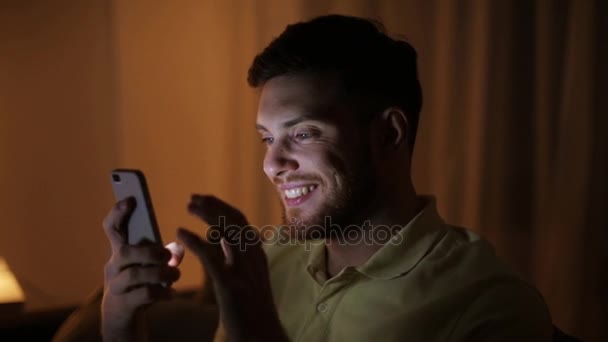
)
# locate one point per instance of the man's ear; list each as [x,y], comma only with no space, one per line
[395,127]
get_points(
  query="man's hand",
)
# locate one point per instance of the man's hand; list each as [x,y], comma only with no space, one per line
[237,267]
[134,277]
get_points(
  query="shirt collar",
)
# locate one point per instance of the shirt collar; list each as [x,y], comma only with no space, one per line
[408,246]
[316,262]
[399,255]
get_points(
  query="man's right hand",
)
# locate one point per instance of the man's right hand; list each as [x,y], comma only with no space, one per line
[133,277]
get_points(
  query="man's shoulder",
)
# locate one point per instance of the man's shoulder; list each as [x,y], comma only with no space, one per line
[465,251]
[499,301]
[505,309]
[472,267]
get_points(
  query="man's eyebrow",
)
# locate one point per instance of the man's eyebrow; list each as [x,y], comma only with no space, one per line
[260,127]
[292,122]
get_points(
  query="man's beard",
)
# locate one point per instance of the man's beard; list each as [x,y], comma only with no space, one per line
[341,210]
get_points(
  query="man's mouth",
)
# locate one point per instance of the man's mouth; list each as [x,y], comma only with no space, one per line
[296,195]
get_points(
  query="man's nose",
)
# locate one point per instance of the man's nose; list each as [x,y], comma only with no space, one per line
[278,161]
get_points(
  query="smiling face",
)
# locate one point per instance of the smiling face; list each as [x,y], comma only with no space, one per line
[318,155]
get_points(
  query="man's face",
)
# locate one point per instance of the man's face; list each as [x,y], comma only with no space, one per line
[318,155]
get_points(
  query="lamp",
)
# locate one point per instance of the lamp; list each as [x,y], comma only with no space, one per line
[12,297]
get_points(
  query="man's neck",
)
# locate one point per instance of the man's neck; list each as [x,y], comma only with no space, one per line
[341,254]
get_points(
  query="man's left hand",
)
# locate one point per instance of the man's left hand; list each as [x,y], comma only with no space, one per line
[236,264]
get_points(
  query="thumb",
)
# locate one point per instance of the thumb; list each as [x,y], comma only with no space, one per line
[177,253]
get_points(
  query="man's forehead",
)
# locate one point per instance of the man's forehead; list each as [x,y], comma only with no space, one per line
[297,95]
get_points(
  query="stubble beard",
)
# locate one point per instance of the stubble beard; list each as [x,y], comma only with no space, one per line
[341,210]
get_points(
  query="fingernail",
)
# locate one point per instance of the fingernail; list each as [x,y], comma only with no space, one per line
[123,205]
[175,248]
[127,203]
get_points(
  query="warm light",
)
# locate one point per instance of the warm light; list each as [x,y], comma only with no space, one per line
[10,291]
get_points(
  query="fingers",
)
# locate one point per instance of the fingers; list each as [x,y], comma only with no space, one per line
[129,256]
[177,253]
[147,295]
[115,223]
[228,253]
[210,255]
[210,209]
[224,222]
[138,276]
[143,255]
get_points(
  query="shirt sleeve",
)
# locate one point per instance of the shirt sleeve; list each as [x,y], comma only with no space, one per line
[508,311]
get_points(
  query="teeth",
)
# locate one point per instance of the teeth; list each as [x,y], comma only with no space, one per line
[297,192]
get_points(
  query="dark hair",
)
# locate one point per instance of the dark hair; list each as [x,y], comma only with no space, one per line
[369,64]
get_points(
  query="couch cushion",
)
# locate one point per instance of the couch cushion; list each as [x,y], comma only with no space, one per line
[183,318]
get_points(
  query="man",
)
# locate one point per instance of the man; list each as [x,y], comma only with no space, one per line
[338,112]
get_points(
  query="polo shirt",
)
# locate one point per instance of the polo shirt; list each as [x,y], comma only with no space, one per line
[431,282]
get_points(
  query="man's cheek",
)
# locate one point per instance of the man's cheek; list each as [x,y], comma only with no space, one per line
[338,169]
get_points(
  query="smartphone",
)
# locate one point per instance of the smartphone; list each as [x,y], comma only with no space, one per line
[142,226]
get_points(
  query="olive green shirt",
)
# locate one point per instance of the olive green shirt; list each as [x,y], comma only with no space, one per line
[432,282]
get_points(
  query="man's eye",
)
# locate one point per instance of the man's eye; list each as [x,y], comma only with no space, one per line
[267,140]
[303,135]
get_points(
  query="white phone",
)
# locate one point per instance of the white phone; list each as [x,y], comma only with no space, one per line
[142,226]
